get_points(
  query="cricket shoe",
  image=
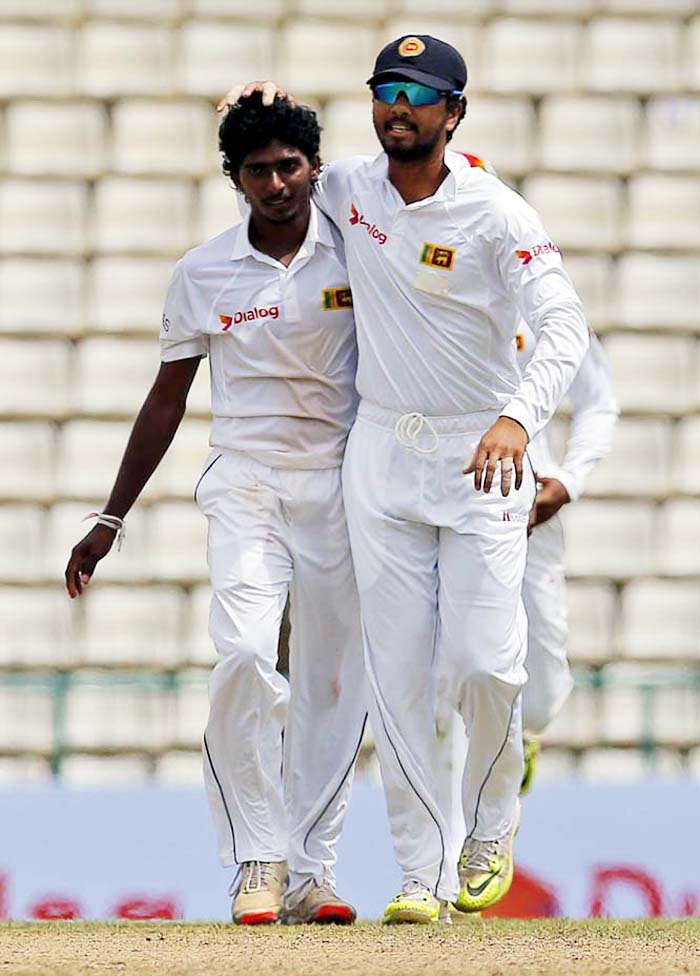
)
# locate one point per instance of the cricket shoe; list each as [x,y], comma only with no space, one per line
[258,900]
[320,905]
[531,750]
[486,870]
[415,904]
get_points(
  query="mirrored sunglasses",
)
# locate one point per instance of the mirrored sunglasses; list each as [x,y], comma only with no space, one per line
[416,93]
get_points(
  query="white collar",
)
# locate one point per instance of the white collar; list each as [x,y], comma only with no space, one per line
[455,162]
[318,232]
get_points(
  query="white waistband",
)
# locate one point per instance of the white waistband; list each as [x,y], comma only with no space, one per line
[440,426]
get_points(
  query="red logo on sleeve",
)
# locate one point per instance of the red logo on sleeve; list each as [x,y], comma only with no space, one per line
[537,251]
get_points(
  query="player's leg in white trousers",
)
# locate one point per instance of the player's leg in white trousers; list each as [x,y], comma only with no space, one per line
[439,569]
[272,531]
[544,596]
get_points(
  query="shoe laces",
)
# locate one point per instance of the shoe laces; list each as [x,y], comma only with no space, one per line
[253,876]
[479,855]
[414,889]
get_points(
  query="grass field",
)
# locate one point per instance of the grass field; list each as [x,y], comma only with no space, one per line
[483,948]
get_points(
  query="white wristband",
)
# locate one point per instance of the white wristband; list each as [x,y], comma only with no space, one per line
[112,522]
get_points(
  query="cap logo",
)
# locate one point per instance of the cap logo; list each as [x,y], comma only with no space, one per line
[411,47]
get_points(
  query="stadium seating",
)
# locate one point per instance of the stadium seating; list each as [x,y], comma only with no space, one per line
[105,772]
[535,56]
[591,621]
[41,295]
[121,59]
[592,274]
[577,723]
[660,619]
[112,375]
[26,719]
[163,137]
[149,10]
[21,538]
[348,129]
[142,215]
[199,648]
[678,537]
[129,626]
[34,377]
[213,56]
[501,130]
[173,769]
[125,294]
[27,467]
[672,133]
[610,538]
[59,208]
[307,48]
[37,627]
[118,715]
[653,374]
[639,464]
[191,710]
[625,54]
[66,525]
[578,212]
[177,542]
[35,59]
[664,212]
[65,139]
[658,291]
[217,208]
[687,455]
[590,133]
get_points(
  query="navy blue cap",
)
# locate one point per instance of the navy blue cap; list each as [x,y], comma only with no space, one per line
[422,58]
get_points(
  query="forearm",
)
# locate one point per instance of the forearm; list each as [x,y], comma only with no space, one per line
[151,436]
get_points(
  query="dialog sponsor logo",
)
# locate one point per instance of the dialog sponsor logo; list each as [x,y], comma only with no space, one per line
[250,315]
[335,298]
[357,219]
[537,251]
[438,256]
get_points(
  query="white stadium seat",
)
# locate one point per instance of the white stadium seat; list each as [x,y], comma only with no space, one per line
[199,647]
[673,132]
[43,217]
[591,621]
[590,133]
[530,56]
[622,714]
[613,766]
[41,295]
[676,715]
[678,538]
[191,709]
[178,542]
[624,54]
[572,8]
[26,718]
[155,10]
[34,377]
[124,715]
[213,56]
[687,455]
[217,208]
[578,212]
[69,11]
[363,10]
[132,626]
[66,526]
[124,59]
[263,10]
[126,294]
[499,130]
[65,139]
[660,618]
[653,374]
[21,538]
[27,460]
[454,9]
[639,463]
[35,60]
[89,453]
[664,212]
[104,772]
[113,375]
[648,6]
[24,771]
[178,769]
[164,137]
[658,291]
[308,48]
[37,624]
[592,275]
[578,722]
[609,538]
[348,129]
[143,215]
[693,53]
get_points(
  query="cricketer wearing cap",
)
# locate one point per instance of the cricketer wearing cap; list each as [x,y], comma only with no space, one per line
[444,261]
[268,302]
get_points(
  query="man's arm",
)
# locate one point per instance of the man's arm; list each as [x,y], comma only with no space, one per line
[151,435]
[594,417]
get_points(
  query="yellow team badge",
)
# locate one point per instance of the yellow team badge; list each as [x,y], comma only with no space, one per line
[335,298]
[437,256]
[411,47]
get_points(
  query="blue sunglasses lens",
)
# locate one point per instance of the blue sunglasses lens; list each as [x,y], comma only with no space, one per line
[416,93]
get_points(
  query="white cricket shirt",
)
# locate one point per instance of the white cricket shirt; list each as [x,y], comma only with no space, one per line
[594,415]
[281,343]
[440,286]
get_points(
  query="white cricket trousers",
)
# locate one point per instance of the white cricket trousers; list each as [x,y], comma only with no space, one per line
[279,756]
[439,569]
[549,675]
[544,595]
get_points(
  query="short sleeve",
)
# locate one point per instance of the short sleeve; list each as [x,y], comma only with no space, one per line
[332,190]
[180,335]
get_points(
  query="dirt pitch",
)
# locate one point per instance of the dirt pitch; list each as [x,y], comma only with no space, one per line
[486,948]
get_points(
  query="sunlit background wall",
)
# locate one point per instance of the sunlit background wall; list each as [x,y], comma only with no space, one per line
[109,171]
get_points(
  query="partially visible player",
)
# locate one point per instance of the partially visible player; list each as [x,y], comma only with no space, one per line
[594,415]
[268,301]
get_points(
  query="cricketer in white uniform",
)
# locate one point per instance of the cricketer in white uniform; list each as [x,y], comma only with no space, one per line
[280,339]
[440,286]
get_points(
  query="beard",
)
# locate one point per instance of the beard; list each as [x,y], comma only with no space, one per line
[406,154]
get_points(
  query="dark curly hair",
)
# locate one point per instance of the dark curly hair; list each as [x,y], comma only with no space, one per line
[251,125]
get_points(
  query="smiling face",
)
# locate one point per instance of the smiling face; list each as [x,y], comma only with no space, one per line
[277,180]
[407,132]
